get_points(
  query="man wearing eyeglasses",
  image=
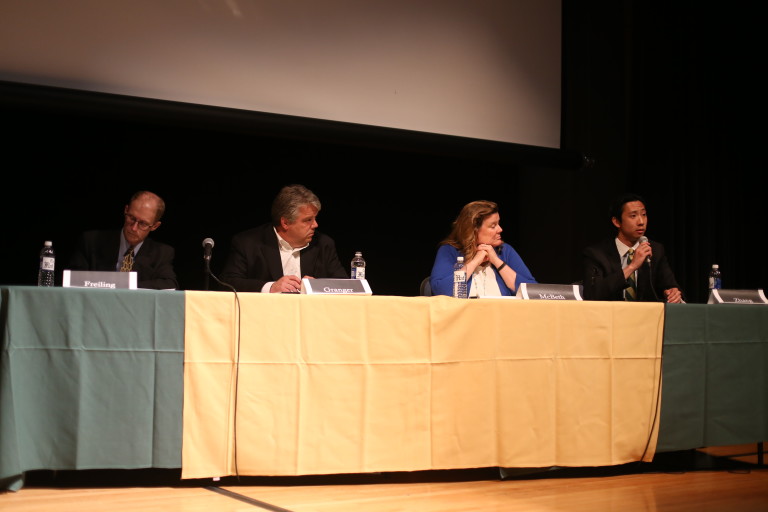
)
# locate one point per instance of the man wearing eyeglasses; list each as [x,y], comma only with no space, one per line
[130,249]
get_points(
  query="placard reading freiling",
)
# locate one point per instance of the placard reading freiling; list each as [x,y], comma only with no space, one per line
[99,279]
[737,297]
[549,291]
[335,287]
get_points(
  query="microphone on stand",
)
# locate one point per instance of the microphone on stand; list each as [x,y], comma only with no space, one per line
[207,250]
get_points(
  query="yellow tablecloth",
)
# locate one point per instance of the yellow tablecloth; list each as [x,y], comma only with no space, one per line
[302,384]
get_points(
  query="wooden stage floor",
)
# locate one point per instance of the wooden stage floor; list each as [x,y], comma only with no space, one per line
[716,479]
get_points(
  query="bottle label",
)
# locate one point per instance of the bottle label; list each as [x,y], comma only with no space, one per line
[47,263]
[460,284]
[358,272]
[715,283]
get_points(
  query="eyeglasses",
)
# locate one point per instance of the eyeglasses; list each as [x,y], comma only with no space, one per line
[140,223]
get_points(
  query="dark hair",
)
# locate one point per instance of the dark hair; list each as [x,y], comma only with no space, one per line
[617,207]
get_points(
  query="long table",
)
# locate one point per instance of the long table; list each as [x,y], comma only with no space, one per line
[95,379]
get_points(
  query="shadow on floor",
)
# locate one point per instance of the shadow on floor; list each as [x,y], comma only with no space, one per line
[669,462]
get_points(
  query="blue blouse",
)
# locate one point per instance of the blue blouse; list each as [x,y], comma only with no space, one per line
[441,278]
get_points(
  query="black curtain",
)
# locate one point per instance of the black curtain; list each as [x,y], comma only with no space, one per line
[668,99]
[665,100]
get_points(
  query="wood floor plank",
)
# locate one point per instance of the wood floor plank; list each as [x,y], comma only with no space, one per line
[684,492]
[694,482]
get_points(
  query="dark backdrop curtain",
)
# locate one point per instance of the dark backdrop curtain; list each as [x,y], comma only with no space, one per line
[668,99]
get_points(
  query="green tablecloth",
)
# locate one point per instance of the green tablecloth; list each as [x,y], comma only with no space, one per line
[89,379]
[715,376]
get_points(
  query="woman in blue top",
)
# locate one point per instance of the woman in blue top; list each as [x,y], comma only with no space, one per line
[493,266]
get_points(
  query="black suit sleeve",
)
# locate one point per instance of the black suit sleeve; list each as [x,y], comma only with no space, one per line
[78,259]
[154,268]
[603,276]
[661,272]
[327,264]
[246,267]
[254,259]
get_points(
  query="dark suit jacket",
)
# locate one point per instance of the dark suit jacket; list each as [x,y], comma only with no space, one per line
[604,279]
[254,259]
[98,251]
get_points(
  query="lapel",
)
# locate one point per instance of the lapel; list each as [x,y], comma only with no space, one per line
[272,253]
[144,253]
[308,258]
[109,252]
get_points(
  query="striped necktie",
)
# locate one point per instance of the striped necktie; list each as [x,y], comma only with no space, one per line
[127,265]
[630,292]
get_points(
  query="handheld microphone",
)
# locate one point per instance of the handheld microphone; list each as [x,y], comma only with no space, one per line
[642,240]
[207,248]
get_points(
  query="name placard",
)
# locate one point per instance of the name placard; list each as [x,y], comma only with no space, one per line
[737,297]
[549,291]
[335,287]
[99,279]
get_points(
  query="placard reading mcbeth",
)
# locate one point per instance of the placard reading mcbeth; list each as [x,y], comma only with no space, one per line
[550,291]
[335,286]
[737,297]
[103,279]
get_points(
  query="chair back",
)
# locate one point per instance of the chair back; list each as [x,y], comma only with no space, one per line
[425,289]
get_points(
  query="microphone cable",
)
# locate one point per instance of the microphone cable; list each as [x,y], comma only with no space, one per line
[657,401]
[644,239]
[237,358]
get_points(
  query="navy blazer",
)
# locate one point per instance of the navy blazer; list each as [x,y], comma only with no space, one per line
[604,278]
[254,259]
[98,250]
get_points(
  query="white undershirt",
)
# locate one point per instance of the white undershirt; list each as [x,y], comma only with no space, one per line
[624,252]
[484,283]
[290,258]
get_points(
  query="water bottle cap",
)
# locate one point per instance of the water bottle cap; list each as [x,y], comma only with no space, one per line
[358,253]
[715,266]
[48,243]
[460,258]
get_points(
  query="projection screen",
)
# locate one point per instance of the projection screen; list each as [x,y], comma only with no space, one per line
[484,69]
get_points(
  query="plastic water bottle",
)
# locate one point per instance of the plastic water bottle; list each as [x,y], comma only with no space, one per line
[459,279]
[47,264]
[358,266]
[715,282]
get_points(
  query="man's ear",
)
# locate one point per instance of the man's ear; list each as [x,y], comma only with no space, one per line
[616,222]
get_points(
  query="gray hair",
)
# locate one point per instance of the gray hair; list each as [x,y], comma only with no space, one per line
[289,200]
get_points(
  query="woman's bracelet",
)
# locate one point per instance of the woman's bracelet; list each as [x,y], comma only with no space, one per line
[503,264]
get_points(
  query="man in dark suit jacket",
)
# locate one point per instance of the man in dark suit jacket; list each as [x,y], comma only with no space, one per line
[105,250]
[274,257]
[607,272]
